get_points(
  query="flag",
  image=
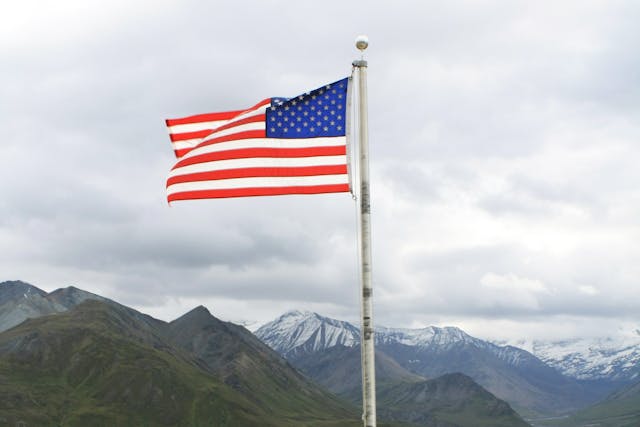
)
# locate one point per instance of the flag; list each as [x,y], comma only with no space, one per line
[278,146]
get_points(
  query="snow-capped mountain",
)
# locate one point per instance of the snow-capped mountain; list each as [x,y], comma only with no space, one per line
[304,331]
[612,359]
[297,331]
[508,372]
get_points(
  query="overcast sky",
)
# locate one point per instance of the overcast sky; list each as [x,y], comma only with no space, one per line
[505,152]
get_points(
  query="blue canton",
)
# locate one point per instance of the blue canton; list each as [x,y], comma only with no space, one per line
[319,113]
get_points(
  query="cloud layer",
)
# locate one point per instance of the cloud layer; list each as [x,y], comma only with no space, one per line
[504,143]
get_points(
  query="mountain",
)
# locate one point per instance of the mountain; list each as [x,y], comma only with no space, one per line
[449,400]
[620,409]
[305,332]
[338,368]
[102,364]
[240,360]
[20,301]
[510,373]
[613,359]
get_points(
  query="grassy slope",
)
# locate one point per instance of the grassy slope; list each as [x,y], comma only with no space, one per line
[451,398]
[243,362]
[622,409]
[79,369]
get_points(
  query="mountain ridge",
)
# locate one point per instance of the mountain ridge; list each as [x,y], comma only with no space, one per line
[102,363]
[508,372]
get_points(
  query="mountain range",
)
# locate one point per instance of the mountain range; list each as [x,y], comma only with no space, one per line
[74,358]
[532,386]
[591,359]
[95,358]
[100,363]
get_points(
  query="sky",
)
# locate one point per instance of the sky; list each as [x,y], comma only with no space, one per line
[504,139]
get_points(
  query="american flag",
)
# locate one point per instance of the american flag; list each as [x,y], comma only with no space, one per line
[279,146]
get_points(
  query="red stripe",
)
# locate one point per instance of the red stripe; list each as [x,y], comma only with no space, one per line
[182,151]
[251,119]
[199,118]
[248,192]
[248,153]
[189,135]
[210,117]
[259,172]
[247,134]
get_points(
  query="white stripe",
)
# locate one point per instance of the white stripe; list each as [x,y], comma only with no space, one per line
[187,143]
[195,127]
[190,143]
[260,162]
[236,129]
[235,183]
[335,141]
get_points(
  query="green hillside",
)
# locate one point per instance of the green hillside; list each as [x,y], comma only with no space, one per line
[452,400]
[99,365]
[620,409]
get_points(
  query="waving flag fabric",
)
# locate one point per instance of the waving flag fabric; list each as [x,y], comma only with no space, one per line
[279,146]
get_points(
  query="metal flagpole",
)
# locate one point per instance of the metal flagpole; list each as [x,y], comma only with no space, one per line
[366,326]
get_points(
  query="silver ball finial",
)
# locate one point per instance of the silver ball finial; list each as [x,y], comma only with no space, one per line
[362,42]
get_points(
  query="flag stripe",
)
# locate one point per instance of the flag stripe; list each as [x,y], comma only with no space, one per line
[203,118]
[247,153]
[257,182]
[258,172]
[236,144]
[267,162]
[195,135]
[186,133]
[265,191]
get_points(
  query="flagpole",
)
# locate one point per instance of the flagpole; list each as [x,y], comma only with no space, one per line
[366,309]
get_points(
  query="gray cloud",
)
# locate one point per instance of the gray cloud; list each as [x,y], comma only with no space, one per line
[503,138]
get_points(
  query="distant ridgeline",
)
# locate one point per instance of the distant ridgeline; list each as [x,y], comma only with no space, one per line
[95,362]
[320,347]
[74,358]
